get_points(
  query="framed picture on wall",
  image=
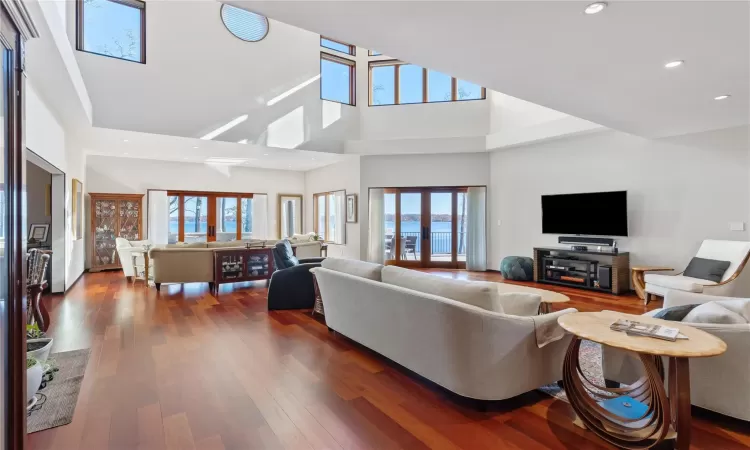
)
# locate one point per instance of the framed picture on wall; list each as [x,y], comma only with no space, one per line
[351,208]
[76,198]
[38,232]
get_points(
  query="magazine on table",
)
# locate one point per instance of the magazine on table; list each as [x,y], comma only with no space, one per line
[634,328]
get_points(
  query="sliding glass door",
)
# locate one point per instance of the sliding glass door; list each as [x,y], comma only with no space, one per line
[209,217]
[425,227]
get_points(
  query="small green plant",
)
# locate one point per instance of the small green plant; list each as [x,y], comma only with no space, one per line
[30,362]
[33,332]
[316,237]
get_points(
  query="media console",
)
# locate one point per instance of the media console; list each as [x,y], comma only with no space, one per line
[602,271]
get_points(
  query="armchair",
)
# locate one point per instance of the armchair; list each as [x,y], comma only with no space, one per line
[734,282]
[123,252]
[292,283]
[719,383]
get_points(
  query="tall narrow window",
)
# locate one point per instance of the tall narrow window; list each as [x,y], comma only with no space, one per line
[320,223]
[330,216]
[410,82]
[174,219]
[383,85]
[115,28]
[337,77]
[338,46]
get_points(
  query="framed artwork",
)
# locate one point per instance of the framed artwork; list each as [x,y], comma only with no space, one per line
[76,209]
[38,232]
[351,208]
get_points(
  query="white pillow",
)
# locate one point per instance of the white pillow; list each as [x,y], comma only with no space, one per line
[354,267]
[520,303]
[740,306]
[477,293]
[713,312]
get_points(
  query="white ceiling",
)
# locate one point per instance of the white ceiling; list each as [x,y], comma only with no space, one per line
[607,68]
[131,144]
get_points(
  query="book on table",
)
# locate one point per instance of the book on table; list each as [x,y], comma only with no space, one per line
[635,328]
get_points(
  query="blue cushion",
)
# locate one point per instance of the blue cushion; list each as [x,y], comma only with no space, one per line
[284,256]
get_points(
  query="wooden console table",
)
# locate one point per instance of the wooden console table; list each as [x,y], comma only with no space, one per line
[666,414]
[233,265]
[580,269]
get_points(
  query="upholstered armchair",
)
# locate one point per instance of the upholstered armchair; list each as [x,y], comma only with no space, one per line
[719,383]
[734,282]
[292,283]
[124,247]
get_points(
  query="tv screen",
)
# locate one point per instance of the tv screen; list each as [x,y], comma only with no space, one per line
[596,213]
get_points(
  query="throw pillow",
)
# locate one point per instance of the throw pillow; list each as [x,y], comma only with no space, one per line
[675,313]
[706,269]
[519,303]
[713,312]
[740,306]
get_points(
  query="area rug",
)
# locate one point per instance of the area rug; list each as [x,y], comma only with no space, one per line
[56,402]
[590,357]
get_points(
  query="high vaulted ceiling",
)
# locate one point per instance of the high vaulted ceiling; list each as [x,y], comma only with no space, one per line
[607,68]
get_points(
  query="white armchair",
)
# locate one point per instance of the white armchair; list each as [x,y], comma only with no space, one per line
[719,383]
[123,251]
[734,282]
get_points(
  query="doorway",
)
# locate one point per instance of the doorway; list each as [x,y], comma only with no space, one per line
[426,227]
[209,216]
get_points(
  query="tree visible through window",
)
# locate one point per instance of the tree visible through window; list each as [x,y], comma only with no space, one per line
[337,79]
[112,28]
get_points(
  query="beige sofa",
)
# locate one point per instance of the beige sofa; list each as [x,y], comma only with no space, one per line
[194,262]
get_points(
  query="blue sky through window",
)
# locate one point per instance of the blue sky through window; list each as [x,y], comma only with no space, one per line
[438,86]
[467,90]
[334,81]
[412,204]
[410,84]
[383,81]
[112,29]
[327,43]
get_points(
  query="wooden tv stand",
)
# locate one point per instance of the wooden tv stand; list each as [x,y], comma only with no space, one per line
[574,268]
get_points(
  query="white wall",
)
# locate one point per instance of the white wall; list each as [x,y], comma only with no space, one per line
[47,138]
[106,174]
[680,191]
[344,175]
[469,169]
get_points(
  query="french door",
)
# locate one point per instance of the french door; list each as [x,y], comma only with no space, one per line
[426,227]
[209,216]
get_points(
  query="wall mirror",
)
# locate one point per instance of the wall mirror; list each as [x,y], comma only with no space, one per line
[289,215]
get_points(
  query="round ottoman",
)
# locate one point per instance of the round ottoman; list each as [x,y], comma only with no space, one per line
[519,268]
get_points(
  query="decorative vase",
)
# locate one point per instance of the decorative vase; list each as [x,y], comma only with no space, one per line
[33,381]
[40,354]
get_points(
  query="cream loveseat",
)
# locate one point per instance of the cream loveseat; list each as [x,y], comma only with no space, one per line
[471,351]
[194,262]
[718,383]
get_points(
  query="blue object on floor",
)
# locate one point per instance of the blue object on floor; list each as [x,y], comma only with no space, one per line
[518,268]
[625,407]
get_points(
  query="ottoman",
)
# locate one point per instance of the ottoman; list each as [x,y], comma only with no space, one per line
[518,268]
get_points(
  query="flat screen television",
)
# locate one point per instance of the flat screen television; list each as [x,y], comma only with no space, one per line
[595,214]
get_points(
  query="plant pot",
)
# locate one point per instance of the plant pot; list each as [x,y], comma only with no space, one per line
[33,381]
[41,354]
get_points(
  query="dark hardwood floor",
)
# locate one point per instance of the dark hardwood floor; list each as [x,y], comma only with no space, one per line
[185,369]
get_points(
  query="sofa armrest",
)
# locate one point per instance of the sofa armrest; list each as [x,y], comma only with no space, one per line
[311,261]
[680,298]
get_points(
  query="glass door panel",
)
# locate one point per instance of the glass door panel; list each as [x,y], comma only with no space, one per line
[246,213]
[226,219]
[389,202]
[441,227]
[461,227]
[320,211]
[174,219]
[410,226]
[195,225]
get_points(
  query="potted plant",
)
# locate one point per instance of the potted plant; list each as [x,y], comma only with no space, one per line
[38,345]
[34,373]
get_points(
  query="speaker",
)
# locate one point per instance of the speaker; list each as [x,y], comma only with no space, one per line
[605,276]
[577,240]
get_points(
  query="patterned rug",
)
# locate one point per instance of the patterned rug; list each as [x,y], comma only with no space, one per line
[590,357]
[56,402]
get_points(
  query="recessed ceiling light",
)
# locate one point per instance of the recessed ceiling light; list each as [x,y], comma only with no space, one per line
[195,146]
[124,140]
[722,97]
[265,154]
[595,8]
[126,153]
[673,64]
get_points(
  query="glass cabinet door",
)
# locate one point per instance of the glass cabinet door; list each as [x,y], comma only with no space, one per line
[105,232]
[130,218]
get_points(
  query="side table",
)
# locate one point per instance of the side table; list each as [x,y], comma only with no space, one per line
[664,414]
[639,283]
[324,249]
[144,274]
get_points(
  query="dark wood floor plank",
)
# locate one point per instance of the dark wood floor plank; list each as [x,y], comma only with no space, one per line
[187,369]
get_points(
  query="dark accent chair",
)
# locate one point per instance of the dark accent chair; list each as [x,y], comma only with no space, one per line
[291,283]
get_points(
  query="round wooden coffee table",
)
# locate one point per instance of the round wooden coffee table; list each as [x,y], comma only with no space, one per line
[664,414]
[639,282]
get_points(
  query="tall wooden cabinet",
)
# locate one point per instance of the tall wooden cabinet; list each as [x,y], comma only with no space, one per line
[113,216]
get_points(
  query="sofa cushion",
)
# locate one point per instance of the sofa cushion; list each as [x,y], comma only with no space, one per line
[188,245]
[283,255]
[477,293]
[303,237]
[713,312]
[354,267]
[706,269]
[679,282]
[740,306]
